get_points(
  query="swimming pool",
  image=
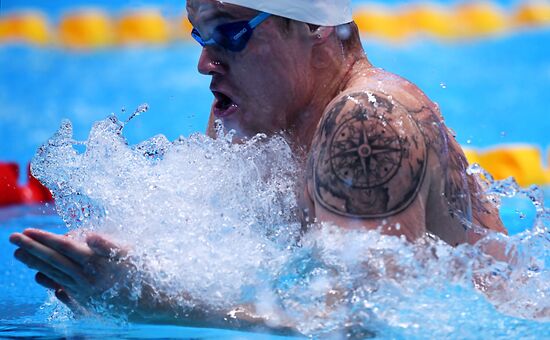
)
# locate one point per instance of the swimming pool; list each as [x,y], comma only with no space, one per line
[491,91]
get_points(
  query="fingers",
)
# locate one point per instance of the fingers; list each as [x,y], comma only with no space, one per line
[104,247]
[60,293]
[46,282]
[62,296]
[48,257]
[71,303]
[35,263]
[74,250]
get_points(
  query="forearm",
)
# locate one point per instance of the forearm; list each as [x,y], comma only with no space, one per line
[154,308]
[240,321]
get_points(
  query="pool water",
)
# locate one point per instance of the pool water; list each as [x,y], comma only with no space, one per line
[24,311]
[476,84]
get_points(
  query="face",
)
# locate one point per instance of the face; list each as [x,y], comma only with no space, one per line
[263,88]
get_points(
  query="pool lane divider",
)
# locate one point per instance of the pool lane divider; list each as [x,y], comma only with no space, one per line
[523,162]
[94,28]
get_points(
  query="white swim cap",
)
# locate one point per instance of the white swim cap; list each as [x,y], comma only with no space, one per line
[317,12]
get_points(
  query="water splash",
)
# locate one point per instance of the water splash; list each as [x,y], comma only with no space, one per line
[510,188]
[139,110]
[200,197]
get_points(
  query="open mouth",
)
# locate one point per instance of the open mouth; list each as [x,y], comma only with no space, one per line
[223,105]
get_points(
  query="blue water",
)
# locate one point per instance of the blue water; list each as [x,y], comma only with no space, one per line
[22,300]
[491,91]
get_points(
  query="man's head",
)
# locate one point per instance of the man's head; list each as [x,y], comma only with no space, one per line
[266,84]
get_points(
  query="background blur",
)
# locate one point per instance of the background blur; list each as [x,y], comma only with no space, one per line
[487,64]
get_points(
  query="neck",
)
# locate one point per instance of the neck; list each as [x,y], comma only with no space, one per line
[329,83]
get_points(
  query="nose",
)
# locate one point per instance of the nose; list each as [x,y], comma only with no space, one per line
[209,64]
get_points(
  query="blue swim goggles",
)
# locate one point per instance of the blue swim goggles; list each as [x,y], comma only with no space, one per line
[231,36]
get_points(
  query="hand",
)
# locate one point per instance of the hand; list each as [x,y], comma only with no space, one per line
[79,272]
[83,272]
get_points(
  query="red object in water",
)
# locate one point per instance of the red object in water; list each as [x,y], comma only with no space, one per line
[11,193]
[9,189]
[34,191]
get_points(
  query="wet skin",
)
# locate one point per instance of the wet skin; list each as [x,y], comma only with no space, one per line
[376,152]
[267,82]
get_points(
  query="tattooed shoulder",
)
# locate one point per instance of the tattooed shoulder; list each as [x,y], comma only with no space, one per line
[370,157]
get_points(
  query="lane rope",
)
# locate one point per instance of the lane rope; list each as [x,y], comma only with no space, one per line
[94,28]
[524,162]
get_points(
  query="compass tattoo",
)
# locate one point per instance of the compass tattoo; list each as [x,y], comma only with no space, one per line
[372,157]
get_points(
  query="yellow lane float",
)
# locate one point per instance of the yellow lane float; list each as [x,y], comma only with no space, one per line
[143,27]
[432,20]
[185,27]
[86,29]
[477,19]
[533,14]
[94,29]
[28,27]
[523,162]
[380,21]
[463,21]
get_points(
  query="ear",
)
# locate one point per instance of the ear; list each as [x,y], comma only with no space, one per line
[321,57]
[321,34]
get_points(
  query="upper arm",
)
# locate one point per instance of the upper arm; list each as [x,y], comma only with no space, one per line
[369,162]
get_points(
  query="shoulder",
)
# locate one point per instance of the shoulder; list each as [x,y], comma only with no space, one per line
[369,156]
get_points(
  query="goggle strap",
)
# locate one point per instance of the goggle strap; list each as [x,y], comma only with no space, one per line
[210,41]
[258,19]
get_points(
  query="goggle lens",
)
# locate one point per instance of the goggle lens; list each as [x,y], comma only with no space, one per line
[232,36]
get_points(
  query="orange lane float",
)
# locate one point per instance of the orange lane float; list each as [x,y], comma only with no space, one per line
[533,14]
[380,21]
[91,28]
[86,29]
[431,20]
[12,193]
[143,27]
[523,162]
[477,19]
[28,27]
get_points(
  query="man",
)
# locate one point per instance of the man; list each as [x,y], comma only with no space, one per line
[376,151]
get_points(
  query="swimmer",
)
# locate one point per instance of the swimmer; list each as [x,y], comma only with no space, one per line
[375,149]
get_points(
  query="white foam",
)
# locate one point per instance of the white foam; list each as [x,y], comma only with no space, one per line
[218,221]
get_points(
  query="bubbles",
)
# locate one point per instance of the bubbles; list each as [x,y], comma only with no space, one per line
[214,224]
